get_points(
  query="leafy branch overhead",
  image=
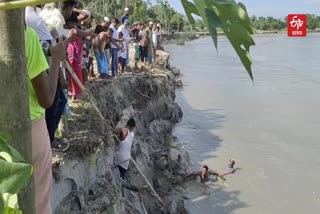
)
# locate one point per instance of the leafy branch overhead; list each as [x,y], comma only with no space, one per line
[232,18]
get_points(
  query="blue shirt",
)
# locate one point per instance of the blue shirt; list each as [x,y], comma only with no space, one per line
[124,18]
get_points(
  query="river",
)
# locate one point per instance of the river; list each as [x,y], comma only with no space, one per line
[270,127]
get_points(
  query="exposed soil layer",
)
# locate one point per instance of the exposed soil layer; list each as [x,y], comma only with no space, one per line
[86,176]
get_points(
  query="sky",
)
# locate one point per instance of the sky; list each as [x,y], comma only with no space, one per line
[275,8]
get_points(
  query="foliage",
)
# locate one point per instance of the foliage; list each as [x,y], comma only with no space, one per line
[180,42]
[268,23]
[139,10]
[200,25]
[313,21]
[177,21]
[229,16]
[165,14]
[14,175]
[182,37]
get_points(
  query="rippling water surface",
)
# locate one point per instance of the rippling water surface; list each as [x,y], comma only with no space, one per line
[271,127]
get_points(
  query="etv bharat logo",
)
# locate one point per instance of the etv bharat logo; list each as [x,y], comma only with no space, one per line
[297,25]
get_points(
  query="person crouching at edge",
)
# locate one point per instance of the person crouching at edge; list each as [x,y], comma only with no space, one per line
[99,43]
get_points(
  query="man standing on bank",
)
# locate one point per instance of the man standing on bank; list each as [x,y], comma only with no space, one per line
[126,136]
[114,49]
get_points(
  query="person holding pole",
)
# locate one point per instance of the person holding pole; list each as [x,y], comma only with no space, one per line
[126,136]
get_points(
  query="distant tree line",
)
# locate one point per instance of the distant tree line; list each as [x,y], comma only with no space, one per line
[270,23]
[140,10]
[171,20]
[313,21]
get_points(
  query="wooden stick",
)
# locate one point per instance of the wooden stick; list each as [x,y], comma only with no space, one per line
[146,181]
[23,3]
[74,76]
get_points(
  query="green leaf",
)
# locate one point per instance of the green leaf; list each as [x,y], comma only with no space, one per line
[210,19]
[6,156]
[16,156]
[213,24]
[1,204]
[13,176]
[5,137]
[241,41]
[190,9]
[6,148]
[8,210]
[229,12]
[10,200]
[232,18]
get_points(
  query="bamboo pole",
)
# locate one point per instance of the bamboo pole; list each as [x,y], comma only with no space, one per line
[74,76]
[10,5]
[146,181]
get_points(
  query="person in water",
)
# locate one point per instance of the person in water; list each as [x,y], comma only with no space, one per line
[230,168]
[205,174]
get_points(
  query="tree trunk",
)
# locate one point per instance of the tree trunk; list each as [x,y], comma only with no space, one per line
[14,100]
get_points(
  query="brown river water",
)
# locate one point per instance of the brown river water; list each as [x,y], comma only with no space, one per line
[270,127]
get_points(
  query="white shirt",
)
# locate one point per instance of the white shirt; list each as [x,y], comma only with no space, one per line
[155,38]
[126,34]
[114,36]
[54,18]
[141,34]
[124,151]
[123,54]
[34,21]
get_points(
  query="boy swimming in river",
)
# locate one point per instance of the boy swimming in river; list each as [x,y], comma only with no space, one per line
[230,168]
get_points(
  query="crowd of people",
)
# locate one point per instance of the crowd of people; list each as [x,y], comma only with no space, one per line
[112,41]
[61,40]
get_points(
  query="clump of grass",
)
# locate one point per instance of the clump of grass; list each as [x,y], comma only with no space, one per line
[180,41]
[182,38]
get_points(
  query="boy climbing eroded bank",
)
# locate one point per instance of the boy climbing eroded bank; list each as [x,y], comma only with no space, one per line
[126,136]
